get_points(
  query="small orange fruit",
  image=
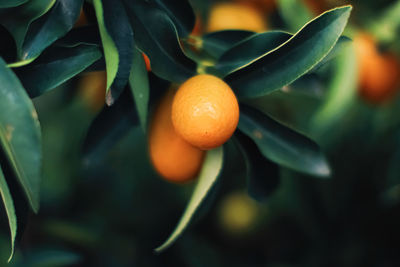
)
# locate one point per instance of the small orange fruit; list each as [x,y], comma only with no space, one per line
[225,16]
[146,61]
[173,158]
[92,89]
[205,111]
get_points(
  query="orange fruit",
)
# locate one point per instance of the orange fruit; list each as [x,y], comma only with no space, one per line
[92,89]
[225,16]
[379,74]
[173,158]
[205,111]
[146,61]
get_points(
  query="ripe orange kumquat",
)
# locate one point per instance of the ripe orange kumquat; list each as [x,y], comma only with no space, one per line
[205,111]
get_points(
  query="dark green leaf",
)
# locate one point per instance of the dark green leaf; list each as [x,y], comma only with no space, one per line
[17,19]
[250,49]
[11,3]
[52,258]
[81,35]
[9,207]
[293,58]
[262,174]
[156,36]
[139,83]
[117,38]
[20,134]
[55,66]
[281,144]
[50,27]
[208,176]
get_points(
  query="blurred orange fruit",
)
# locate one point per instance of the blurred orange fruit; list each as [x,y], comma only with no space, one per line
[225,16]
[379,74]
[146,61]
[264,5]
[173,158]
[92,89]
[205,111]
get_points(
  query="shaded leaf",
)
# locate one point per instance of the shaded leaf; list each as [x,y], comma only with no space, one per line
[82,35]
[50,27]
[208,175]
[293,58]
[156,36]
[117,38]
[55,66]
[281,144]
[20,134]
[10,210]
[52,258]
[262,174]
[139,84]
[11,3]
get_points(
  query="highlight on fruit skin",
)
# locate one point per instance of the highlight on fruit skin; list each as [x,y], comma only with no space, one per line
[205,111]
[172,157]
[226,16]
[379,73]
[92,90]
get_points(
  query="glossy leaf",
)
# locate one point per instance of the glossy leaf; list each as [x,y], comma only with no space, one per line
[262,174]
[156,36]
[250,49]
[20,135]
[117,38]
[139,83]
[17,19]
[208,175]
[281,144]
[293,58]
[10,210]
[217,43]
[55,66]
[50,27]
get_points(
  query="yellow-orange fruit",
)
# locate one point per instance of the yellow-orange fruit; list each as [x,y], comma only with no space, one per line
[173,158]
[379,74]
[225,16]
[205,111]
[92,89]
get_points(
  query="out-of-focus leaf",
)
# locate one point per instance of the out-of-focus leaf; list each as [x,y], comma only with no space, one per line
[340,45]
[117,38]
[11,3]
[281,144]
[293,58]
[51,26]
[20,135]
[52,258]
[181,13]
[217,43]
[55,66]
[386,27]
[139,83]
[156,36]
[18,19]
[262,174]
[250,49]
[208,175]
[294,13]
[9,207]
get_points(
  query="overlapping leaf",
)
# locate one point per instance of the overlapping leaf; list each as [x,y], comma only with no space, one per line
[20,135]
[293,58]
[11,3]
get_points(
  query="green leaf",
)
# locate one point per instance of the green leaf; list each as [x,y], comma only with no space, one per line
[52,258]
[387,25]
[9,207]
[139,83]
[50,27]
[117,38]
[208,175]
[11,3]
[18,19]
[293,58]
[262,174]
[294,13]
[250,49]
[20,134]
[55,66]
[217,43]
[281,144]
[157,37]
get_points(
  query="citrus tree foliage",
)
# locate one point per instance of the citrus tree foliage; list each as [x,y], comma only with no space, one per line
[41,50]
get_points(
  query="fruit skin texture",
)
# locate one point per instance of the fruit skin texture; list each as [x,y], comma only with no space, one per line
[174,159]
[379,74]
[205,111]
[224,16]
